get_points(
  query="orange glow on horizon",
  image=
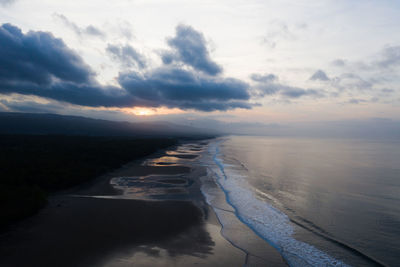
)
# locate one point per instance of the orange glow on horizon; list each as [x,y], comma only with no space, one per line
[144,111]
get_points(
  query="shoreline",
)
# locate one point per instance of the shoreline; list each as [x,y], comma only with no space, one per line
[35,166]
[98,225]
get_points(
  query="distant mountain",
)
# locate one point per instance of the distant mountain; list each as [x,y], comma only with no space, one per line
[44,124]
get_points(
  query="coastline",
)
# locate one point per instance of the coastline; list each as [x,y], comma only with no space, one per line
[36,166]
[99,225]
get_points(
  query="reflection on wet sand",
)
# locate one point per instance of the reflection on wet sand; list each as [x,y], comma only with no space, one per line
[99,226]
[194,247]
[154,186]
[86,231]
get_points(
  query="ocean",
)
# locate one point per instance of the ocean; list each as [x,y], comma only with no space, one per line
[319,202]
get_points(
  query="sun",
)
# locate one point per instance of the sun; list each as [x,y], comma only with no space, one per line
[144,111]
[139,111]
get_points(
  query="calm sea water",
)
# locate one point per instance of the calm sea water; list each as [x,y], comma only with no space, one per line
[320,202]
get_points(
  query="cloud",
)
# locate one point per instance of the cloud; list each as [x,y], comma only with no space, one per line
[91,30]
[383,62]
[356,101]
[360,100]
[6,2]
[176,87]
[38,58]
[125,29]
[267,85]
[339,63]
[263,78]
[390,57]
[372,75]
[37,63]
[294,92]
[279,31]
[350,81]
[30,106]
[387,91]
[190,48]
[286,91]
[90,95]
[319,75]
[167,57]
[80,31]
[126,55]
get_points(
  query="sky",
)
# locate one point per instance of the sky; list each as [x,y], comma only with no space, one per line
[201,62]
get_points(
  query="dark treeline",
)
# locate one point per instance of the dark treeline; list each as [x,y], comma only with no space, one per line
[54,124]
[32,166]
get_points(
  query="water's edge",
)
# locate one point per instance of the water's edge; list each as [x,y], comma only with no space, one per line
[270,224]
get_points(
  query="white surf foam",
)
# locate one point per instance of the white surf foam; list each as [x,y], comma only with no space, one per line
[268,222]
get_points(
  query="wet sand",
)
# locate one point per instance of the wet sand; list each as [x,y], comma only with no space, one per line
[99,225]
[75,231]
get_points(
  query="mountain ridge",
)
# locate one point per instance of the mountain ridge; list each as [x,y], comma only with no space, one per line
[55,124]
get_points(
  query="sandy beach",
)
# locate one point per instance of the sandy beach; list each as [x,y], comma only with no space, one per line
[148,213]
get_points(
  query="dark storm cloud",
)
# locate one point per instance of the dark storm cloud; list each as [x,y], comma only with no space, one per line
[190,48]
[88,30]
[172,88]
[78,94]
[37,63]
[38,58]
[175,87]
[319,75]
[127,55]
[167,57]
